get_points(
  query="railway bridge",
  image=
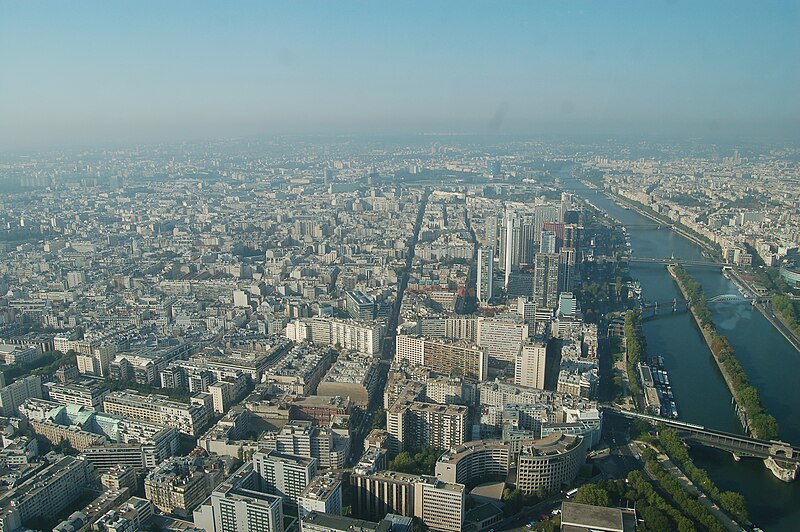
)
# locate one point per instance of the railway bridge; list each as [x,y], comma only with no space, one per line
[784,457]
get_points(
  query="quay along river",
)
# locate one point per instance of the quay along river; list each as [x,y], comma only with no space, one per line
[701,395]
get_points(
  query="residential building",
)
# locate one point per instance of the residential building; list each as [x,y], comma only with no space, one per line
[187,418]
[323,494]
[237,505]
[285,475]
[86,393]
[181,483]
[303,438]
[529,369]
[45,493]
[459,358]
[14,394]
[416,424]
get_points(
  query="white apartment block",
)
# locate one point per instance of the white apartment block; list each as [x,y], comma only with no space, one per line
[530,365]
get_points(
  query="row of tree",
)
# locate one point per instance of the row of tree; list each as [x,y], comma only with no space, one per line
[730,501]
[655,512]
[761,423]
[787,310]
[682,498]
[46,364]
[636,348]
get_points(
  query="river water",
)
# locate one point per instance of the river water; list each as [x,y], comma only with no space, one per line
[700,391]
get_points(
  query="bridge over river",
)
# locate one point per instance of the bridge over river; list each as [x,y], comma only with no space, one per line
[673,260]
[785,458]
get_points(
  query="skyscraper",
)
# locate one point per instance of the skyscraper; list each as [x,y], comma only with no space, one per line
[542,214]
[485,284]
[566,265]
[548,242]
[509,259]
[546,280]
[567,200]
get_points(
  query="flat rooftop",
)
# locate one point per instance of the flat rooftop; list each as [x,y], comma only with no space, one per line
[577,517]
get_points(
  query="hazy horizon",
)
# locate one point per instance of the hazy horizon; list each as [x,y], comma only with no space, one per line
[92,72]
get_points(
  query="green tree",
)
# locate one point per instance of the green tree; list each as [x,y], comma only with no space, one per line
[654,519]
[403,462]
[379,419]
[735,504]
[592,494]
[513,501]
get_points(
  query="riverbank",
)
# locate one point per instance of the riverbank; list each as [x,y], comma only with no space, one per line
[679,228]
[753,415]
[703,396]
[775,319]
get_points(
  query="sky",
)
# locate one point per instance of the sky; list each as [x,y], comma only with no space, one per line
[113,72]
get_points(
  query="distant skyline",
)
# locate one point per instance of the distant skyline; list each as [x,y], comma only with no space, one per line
[111,72]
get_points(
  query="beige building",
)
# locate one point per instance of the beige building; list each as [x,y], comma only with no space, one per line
[180,484]
[354,376]
[550,463]
[416,424]
[459,358]
[530,365]
[440,505]
[13,395]
[475,462]
[187,418]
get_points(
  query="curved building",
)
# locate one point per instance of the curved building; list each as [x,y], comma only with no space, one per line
[541,464]
[475,462]
[791,275]
[551,462]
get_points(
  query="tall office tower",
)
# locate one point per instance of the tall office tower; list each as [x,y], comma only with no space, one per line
[485,274]
[557,228]
[543,214]
[567,304]
[566,269]
[508,247]
[491,233]
[546,280]
[572,236]
[567,202]
[548,242]
[527,240]
[530,364]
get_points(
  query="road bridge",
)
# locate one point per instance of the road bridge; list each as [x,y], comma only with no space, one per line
[738,444]
[651,225]
[652,309]
[674,260]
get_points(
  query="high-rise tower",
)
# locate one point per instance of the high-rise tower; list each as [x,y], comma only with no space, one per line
[485,284]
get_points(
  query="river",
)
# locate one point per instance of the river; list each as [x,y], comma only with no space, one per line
[700,391]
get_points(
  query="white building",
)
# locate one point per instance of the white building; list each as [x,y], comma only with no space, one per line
[237,505]
[530,365]
[13,395]
[284,475]
[323,494]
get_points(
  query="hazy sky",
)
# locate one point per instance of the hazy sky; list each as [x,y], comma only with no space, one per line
[74,72]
